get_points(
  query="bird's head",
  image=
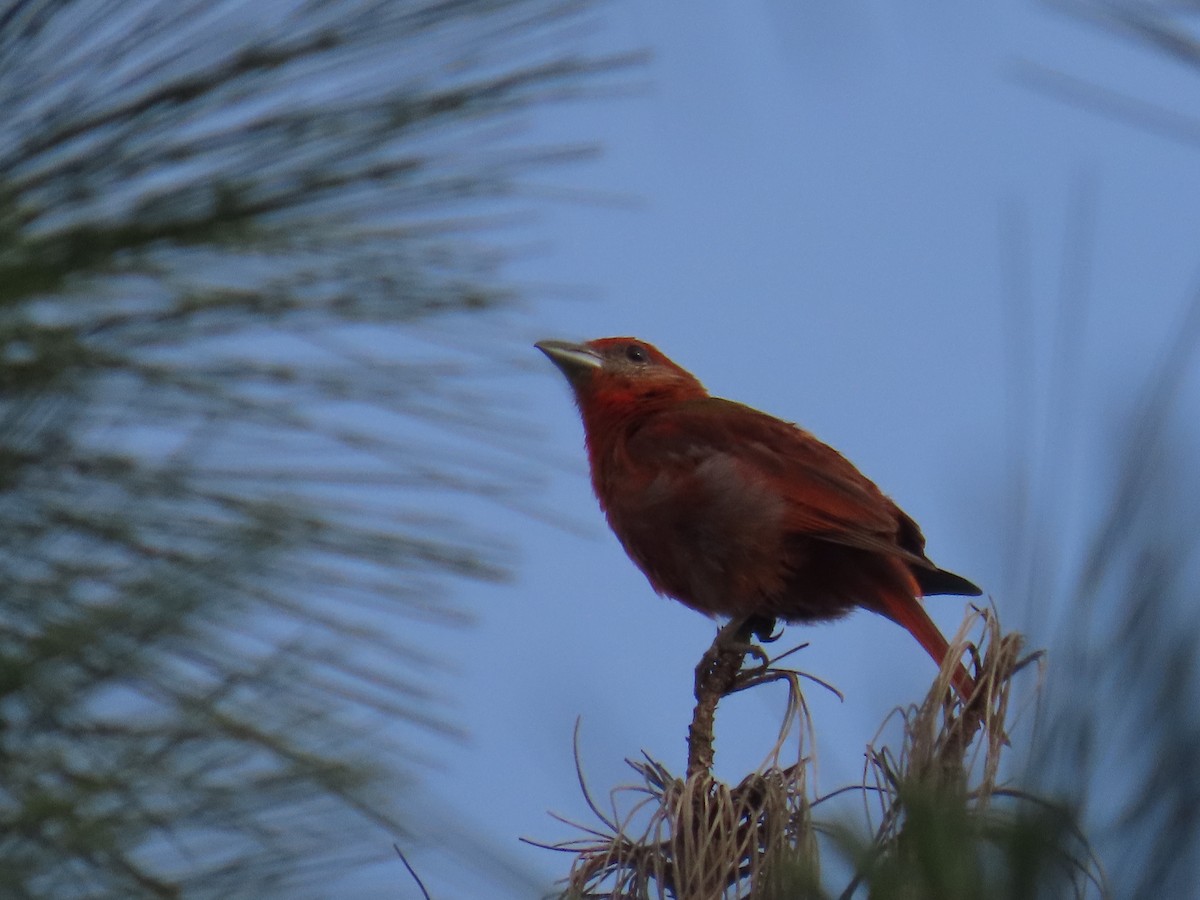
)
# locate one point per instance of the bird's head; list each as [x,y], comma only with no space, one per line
[620,373]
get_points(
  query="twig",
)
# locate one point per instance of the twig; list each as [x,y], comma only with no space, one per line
[411,871]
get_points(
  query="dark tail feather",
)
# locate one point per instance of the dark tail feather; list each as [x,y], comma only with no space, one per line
[939,581]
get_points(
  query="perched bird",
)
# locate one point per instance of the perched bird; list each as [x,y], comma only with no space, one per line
[734,512]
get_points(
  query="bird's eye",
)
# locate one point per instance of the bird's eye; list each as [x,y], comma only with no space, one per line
[636,353]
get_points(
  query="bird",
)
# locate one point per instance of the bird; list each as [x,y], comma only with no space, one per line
[736,513]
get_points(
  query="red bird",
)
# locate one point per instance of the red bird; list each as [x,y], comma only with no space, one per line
[734,512]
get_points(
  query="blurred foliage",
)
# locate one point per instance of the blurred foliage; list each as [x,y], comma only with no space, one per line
[1119,737]
[224,443]
[948,849]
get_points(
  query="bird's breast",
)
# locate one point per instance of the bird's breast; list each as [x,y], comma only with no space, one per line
[703,528]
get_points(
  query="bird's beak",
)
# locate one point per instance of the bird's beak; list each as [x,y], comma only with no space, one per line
[576,361]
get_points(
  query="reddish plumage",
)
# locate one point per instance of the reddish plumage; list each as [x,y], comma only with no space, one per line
[734,512]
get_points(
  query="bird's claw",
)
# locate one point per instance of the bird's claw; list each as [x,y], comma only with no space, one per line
[762,661]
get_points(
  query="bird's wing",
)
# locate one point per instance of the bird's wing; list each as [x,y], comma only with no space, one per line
[825,496]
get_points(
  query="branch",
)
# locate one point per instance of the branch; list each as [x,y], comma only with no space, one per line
[716,676]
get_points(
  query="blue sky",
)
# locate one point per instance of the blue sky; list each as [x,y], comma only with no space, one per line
[853,216]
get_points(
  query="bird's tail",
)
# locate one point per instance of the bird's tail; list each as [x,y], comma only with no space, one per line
[939,581]
[905,610]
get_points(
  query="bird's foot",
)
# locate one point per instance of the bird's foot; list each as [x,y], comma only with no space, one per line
[763,628]
[738,636]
